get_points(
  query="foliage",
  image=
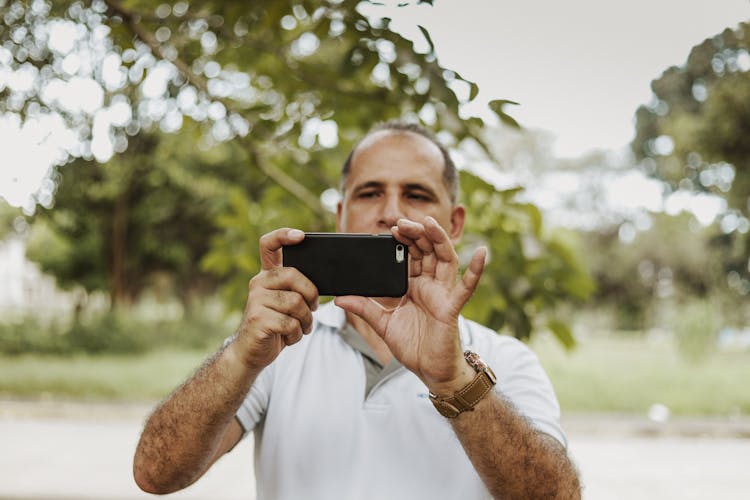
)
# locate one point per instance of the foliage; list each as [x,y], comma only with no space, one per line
[234,253]
[148,376]
[694,133]
[30,335]
[145,214]
[210,123]
[528,272]
[696,329]
[675,258]
[109,333]
[9,218]
[272,88]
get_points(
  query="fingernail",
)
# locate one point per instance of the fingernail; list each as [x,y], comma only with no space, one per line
[295,234]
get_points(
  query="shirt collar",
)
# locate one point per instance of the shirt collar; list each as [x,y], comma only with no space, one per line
[329,314]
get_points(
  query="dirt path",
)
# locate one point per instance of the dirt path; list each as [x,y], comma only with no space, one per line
[76,451]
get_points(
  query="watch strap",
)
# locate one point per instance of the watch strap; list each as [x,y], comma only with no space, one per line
[467,397]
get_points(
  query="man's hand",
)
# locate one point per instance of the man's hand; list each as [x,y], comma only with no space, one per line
[422,331]
[279,306]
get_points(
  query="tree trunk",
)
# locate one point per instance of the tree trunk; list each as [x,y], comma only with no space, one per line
[119,291]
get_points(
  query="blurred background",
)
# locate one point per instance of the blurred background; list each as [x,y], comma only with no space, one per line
[604,155]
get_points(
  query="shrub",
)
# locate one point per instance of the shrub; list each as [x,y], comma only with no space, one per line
[110,332]
[696,328]
[31,335]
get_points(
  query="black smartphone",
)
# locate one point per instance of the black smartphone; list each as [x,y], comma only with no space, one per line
[370,265]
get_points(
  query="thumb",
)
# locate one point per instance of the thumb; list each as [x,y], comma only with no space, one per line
[366,308]
[271,244]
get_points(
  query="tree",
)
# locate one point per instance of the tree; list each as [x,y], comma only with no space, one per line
[694,133]
[209,123]
[675,261]
[8,216]
[144,214]
[530,272]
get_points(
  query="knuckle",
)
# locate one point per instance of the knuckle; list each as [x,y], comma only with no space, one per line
[288,324]
[307,323]
[274,272]
[292,274]
[293,338]
[259,279]
[253,282]
[297,302]
[265,239]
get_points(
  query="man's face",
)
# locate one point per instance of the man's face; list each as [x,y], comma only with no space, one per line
[396,174]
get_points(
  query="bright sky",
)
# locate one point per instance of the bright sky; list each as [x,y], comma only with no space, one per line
[579,68]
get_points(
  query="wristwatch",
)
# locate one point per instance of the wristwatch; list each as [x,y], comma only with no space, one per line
[468,397]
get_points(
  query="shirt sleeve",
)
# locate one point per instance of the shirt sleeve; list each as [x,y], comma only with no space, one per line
[254,406]
[520,377]
[528,387]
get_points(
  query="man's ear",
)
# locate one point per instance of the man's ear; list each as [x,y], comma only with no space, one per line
[339,210]
[458,218]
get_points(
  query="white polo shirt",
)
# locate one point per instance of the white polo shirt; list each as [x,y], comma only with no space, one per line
[318,437]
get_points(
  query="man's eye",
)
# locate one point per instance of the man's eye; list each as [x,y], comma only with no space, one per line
[367,194]
[418,197]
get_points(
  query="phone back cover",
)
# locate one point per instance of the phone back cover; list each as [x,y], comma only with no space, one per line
[350,264]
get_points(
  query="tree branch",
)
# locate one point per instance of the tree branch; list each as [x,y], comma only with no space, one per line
[294,188]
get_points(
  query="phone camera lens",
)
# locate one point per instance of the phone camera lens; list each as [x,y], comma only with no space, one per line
[400,253]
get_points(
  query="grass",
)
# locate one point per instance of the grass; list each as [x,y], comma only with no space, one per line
[105,377]
[604,374]
[629,374]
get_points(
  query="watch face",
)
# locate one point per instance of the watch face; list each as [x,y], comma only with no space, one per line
[475,361]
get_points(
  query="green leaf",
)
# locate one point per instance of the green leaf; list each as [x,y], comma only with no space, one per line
[428,38]
[497,106]
[473,90]
[562,332]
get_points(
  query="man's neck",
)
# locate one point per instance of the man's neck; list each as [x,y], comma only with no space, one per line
[372,339]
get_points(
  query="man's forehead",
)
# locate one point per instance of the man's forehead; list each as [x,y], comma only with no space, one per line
[397,158]
[396,135]
[384,148]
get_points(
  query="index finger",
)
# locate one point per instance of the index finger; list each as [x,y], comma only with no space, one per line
[271,243]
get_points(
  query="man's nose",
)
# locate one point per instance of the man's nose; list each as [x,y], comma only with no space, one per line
[392,211]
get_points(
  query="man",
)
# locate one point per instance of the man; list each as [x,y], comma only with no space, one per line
[371,398]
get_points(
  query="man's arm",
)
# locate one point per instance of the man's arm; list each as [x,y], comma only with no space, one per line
[514,460]
[195,426]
